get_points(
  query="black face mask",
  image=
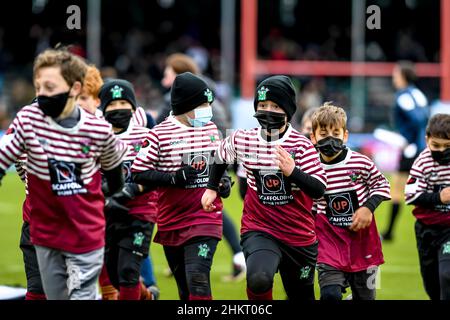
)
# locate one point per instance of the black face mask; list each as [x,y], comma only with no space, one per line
[53,106]
[442,157]
[119,118]
[330,146]
[270,120]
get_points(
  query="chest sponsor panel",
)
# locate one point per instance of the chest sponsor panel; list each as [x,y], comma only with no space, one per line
[201,162]
[65,178]
[340,208]
[272,187]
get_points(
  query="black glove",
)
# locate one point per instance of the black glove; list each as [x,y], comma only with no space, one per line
[2,174]
[184,176]
[105,188]
[113,207]
[225,186]
[128,192]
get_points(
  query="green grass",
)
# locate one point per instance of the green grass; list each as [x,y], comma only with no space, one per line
[399,277]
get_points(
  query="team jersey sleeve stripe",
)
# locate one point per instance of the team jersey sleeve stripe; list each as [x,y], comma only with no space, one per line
[9,152]
[416,184]
[227,150]
[148,157]
[113,152]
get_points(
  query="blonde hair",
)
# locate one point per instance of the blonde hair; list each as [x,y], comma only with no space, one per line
[329,115]
[92,81]
[73,68]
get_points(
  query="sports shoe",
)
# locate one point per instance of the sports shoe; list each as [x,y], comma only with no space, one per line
[150,293]
[155,292]
[168,272]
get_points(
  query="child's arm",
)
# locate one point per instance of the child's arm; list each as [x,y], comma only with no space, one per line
[416,190]
[312,186]
[225,154]
[379,191]
[12,146]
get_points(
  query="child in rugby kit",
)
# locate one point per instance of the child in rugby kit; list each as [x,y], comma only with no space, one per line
[130,213]
[428,189]
[177,160]
[283,175]
[349,244]
[89,101]
[65,148]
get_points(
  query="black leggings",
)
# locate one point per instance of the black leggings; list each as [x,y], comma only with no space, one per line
[266,255]
[127,245]
[191,266]
[433,244]
[34,282]
[123,266]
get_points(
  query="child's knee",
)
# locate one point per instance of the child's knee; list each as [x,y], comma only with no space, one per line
[332,292]
[259,282]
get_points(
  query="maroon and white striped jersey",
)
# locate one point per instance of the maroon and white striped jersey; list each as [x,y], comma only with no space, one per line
[21,169]
[64,181]
[142,206]
[350,183]
[427,175]
[273,204]
[140,117]
[170,146]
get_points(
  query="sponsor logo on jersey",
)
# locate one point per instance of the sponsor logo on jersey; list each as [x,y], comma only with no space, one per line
[65,178]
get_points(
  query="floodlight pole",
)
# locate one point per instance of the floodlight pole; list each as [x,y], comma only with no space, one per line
[445,50]
[227,46]
[249,36]
[358,84]
[93,34]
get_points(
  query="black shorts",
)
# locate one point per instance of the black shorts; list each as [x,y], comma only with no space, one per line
[34,282]
[405,164]
[128,232]
[305,256]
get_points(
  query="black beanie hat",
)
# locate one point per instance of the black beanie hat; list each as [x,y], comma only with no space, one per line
[188,92]
[116,89]
[280,90]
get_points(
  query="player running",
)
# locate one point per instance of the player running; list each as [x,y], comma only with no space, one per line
[283,175]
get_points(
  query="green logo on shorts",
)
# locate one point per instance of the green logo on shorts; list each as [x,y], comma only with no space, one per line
[446,249]
[304,272]
[138,239]
[262,94]
[203,250]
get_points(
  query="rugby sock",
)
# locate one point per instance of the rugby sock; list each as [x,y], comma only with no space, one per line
[35,296]
[192,297]
[107,289]
[130,293]
[260,296]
